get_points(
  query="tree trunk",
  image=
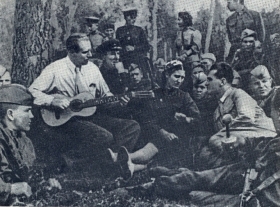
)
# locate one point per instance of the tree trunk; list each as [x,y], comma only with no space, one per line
[155,30]
[41,27]
[210,26]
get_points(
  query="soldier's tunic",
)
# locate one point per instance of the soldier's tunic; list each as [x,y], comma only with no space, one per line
[237,22]
[136,37]
[17,157]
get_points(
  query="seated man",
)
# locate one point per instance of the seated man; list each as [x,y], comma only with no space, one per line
[137,82]
[208,59]
[111,68]
[249,125]
[17,152]
[88,136]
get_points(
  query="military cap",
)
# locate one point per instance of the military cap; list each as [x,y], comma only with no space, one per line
[92,19]
[260,72]
[199,78]
[15,94]
[174,64]
[210,56]
[109,45]
[130,11]
[248,33]
[133,67]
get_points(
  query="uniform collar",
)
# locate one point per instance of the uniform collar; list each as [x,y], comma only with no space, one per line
[226,94]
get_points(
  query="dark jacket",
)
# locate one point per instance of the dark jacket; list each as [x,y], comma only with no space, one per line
[249,19]
[17,157]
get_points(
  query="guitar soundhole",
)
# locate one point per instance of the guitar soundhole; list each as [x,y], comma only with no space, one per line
[75,105]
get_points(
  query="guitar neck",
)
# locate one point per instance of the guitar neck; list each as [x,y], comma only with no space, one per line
[110,99]
[100,101]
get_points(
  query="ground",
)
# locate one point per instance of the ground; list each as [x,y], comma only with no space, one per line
[87,183]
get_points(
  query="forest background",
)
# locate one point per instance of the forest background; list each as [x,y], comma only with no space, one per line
[33,32]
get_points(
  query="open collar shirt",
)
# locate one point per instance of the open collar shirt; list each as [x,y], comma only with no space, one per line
[60,77]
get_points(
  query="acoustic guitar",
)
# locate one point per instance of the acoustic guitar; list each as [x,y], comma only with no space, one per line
[83,104]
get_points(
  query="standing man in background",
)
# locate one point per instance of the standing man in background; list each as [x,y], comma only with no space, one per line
[133,40]
[242,19]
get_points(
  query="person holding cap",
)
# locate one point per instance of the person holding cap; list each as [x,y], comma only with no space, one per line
[165,121]
[133,40]
[17,152]
[111,68]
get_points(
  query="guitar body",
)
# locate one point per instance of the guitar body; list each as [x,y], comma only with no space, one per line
[83,104]
[57,117]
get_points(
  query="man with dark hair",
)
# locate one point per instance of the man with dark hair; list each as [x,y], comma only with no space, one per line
[133,40]
[75,74]
[109,31]
[224,160]
[241,19]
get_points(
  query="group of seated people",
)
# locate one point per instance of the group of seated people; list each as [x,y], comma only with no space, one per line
[145,118]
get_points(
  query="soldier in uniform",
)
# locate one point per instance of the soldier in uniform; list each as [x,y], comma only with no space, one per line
[244,59]
[116,77]
[133,41]
[109,31]
[208,59]
[95,37]
[17,153]
[241,19]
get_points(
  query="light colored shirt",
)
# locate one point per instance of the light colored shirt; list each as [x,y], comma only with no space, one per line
[60,77]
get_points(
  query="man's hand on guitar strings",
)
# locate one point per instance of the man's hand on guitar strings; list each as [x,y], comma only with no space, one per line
[124,100]
[60,103]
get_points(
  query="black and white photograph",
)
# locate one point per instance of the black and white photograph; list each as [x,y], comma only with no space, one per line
[140,103]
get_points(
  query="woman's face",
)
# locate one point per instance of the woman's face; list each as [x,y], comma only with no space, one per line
[176,79]
[180,22]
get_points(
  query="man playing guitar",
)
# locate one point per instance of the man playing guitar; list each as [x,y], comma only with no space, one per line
[69,77]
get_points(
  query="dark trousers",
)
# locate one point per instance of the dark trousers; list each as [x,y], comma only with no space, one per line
[91,136]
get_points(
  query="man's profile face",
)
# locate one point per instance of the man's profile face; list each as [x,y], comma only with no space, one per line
[261,87]
[22,118]
[248,44]
[82,57]
[109,33]
[111,58]
[213,83]
[5,79]
[199,90]
[136,75]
